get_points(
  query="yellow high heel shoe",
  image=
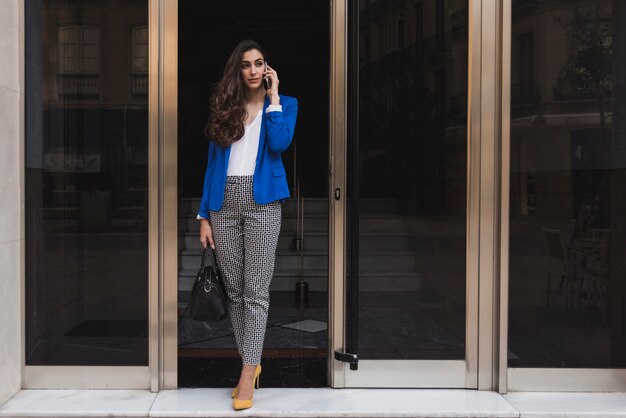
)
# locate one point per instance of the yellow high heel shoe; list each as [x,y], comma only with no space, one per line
[257,372]
[239,404]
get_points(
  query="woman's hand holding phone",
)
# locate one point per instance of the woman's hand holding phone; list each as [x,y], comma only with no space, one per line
[267,83]
[270,81]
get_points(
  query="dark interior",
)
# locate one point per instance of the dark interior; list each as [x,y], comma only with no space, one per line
[296,38]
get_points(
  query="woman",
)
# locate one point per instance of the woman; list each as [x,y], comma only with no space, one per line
[245,182]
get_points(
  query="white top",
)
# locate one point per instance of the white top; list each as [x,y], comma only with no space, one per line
[242,159]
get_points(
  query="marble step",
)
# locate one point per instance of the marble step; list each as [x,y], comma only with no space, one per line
[313,402]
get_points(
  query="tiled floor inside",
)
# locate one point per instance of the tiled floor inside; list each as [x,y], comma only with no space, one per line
[323,402]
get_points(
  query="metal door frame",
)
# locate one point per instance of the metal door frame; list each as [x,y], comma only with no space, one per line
[480,367]
[528,378]
[165,371]
[161,151]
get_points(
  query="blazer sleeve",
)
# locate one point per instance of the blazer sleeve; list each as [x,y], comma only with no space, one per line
[281,125]
[204,203]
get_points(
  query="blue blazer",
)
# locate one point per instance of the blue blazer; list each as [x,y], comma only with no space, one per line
[270,179]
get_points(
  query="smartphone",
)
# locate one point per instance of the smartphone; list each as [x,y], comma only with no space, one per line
[267,83]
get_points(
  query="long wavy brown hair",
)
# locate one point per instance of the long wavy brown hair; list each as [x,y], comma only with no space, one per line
[227,106]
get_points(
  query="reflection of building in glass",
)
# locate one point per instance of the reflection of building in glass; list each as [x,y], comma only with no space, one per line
[413,62]
[412,172]
[86,182]
[560,100]
[95,92]
[567,215]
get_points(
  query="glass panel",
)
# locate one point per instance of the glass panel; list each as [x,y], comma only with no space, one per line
[86,186]
[412,175]
[296,38]
[568,161]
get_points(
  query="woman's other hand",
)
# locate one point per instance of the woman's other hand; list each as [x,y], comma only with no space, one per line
[206,233]
[273,91]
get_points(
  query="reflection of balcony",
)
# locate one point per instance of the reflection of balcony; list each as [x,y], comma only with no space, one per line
[525,93]
[566,91]
[460,22]
[522,4]
[433,46]
[80,86]
[139,86]
[457,109]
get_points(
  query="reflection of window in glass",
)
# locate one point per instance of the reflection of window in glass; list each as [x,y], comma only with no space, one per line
[401,31]
[79,61]
[140,61]
[386,36]
[460,21]
[440,22]
[419,28]
[524,90]
[440,92]
[392,34]
[525,49]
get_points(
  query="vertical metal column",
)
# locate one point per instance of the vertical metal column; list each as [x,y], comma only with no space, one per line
[168,201]
[505,196]
[163,200]
[350,353]
[352,345]
[154,24]
[337,183]
[473,192]
[489,196]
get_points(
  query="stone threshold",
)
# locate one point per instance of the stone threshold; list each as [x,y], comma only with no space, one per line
[324,402]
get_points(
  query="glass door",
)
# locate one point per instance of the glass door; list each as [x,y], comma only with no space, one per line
[566,269]
[406,212]
[88,191]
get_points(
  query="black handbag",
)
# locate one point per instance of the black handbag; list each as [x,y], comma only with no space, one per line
[208,296]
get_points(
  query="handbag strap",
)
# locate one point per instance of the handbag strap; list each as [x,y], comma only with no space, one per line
[213,257]
[204,254]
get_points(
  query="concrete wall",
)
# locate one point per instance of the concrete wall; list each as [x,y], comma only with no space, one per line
[11,232]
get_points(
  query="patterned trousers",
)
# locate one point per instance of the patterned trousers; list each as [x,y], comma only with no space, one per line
[246,236]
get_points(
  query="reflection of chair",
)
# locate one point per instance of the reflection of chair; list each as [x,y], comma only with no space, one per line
[557,257]
[599,234]
[592,268]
